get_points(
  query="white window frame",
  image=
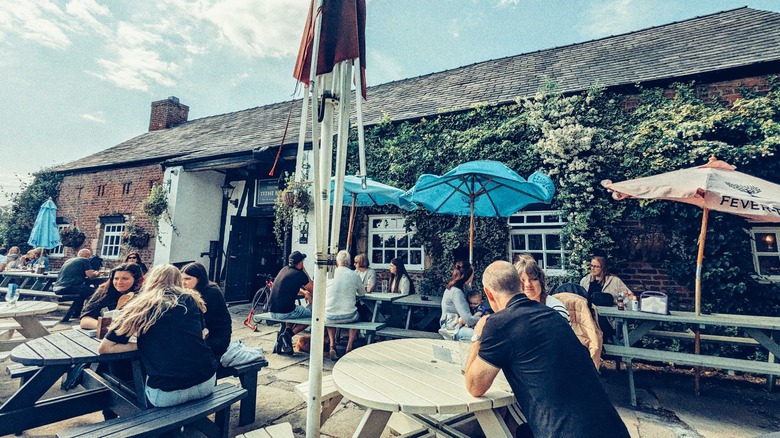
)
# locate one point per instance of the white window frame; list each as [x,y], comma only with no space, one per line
[519,224]
[58,252]
[111,247]
[399,230]
[755,248]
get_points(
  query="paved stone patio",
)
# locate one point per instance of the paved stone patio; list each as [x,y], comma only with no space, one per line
[728,407]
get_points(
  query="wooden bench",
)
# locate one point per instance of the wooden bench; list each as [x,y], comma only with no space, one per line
[330,398]
[369,327]
[19,371]
[399,333]
[281,430]
[689,335]
[40,294]
[723,363]
[155,421]
[247,375]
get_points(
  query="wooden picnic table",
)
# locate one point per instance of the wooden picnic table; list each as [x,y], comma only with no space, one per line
[404,376]
[25,314]
[634,325]
[432,304]
[28,280]
[378,297]
[56,354]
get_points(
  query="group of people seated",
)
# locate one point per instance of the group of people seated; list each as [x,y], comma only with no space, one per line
[11,259]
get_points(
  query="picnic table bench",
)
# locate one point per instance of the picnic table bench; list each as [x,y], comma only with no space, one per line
[399,333]
[160,420]
[247,375]
[369,327]
[762,331]
[430,303]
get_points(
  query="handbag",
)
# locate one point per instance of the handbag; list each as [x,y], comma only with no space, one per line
[654,302]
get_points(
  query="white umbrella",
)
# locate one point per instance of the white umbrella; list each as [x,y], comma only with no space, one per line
[713,186]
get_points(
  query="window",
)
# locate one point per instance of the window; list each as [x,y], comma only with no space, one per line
[126,188]
[388,239]
[58,251]
[766,255]
[101,190]
[539,233]
[112,241]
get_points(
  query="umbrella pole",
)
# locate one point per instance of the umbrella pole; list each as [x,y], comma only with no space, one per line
[471,234]
[697,295]
[351,222]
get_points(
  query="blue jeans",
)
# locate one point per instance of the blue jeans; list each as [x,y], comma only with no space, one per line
[464,333]
[336,319]
[161,399]
[299,312]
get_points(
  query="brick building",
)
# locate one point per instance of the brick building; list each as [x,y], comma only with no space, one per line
[215,169]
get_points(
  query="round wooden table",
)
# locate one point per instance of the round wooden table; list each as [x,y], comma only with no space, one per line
[24,313]
[404,376]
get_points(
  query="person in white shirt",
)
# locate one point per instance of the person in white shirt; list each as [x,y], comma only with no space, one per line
[340,296]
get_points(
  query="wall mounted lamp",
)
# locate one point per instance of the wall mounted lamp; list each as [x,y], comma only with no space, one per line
[227,193]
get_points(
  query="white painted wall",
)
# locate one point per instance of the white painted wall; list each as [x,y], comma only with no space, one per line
[194,203]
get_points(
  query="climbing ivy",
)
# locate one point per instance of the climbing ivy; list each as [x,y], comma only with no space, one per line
[580,140]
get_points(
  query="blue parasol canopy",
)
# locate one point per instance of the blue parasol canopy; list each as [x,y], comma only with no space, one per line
[480,188]
[373,195]
[45,233]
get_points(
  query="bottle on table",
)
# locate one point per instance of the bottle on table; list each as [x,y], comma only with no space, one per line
[12,296]
[621,302]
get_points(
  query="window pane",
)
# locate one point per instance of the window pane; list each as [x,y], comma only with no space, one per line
[766,242]
[404,256]
[389,255]
[769,265]
[403,241]
[376,256]
[376,223]
[376,241]
[554,261]
[518,242]
[553,242]
[390,241]
[551,218]
[539,257]
[415,257]
[535,242]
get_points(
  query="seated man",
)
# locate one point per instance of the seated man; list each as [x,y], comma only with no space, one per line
[550,372]
[340,297]
[290,280]
[72,281]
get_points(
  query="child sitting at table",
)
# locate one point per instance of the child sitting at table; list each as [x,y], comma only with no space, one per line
[168,322]
[477,305]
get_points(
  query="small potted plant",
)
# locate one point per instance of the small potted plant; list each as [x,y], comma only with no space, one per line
[136,236]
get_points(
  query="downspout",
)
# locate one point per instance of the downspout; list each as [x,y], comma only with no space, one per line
[222,225]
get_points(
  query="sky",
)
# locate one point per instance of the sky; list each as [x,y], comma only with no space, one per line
[78,76]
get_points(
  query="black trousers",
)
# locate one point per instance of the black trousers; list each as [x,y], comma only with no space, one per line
[83,291]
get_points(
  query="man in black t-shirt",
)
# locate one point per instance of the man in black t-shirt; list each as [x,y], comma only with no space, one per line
[549,370]
[292,279]
[72,281]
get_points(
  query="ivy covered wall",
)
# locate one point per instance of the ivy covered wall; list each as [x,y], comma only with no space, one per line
[582,139]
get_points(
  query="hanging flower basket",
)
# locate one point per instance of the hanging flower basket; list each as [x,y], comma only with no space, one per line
[136,237]
[72,237]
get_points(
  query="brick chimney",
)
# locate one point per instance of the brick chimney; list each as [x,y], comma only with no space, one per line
[167,114]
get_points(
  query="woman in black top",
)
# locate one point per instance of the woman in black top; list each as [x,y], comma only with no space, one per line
[124,278]
[167,320]
[134,257]
[217,317]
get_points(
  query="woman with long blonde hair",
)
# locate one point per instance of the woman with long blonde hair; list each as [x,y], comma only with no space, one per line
[167,320]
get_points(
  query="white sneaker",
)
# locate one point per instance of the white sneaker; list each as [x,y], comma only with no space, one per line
[445,334]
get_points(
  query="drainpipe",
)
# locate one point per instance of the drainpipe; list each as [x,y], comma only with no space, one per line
[222,224]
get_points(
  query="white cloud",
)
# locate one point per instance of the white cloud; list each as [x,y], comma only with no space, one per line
[612,17]
[137,68]
[383,68]
[39,20]
[508,2]
[86,10]
[268,28]
[97,117]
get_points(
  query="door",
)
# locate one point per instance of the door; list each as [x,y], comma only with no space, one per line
[252,253]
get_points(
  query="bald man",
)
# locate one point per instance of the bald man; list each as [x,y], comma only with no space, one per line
[549,370]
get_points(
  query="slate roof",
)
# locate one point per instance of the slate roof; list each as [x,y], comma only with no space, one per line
[736,38]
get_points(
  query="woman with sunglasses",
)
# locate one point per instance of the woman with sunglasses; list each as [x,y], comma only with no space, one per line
[134,257]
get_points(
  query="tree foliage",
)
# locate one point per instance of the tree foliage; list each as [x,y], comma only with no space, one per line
[16,222]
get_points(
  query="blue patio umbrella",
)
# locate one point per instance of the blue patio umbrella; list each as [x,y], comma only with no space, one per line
[45,233]
[480,188]
[374,194]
